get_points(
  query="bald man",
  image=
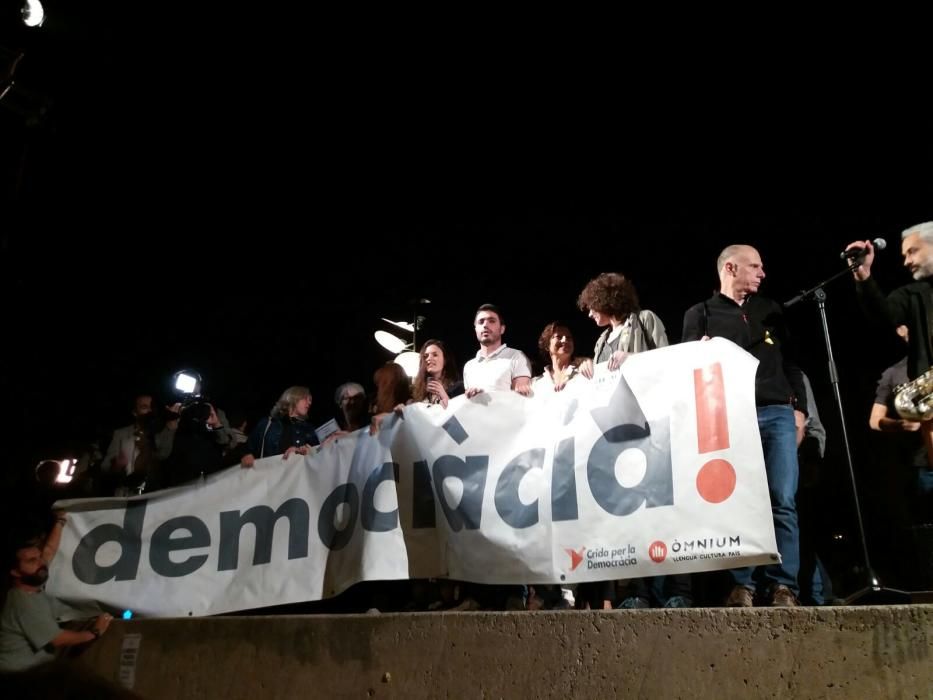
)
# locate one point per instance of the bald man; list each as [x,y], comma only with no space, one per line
[752,322]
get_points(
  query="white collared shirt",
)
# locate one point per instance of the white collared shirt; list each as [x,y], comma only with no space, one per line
[497,370]
[545,381]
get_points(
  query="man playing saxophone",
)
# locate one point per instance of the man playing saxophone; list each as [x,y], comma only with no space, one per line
[905,487]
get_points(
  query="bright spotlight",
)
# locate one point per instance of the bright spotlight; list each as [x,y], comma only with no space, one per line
[410,361]
[58,471]
[390,342]
[187,384]
[33,13]
[395,344]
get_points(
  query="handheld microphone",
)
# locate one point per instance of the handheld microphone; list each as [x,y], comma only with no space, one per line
[857,252]
[432,397]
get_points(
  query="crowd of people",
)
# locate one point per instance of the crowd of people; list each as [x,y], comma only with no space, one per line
[196,438]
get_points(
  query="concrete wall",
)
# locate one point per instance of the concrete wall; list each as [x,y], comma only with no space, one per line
[844,652]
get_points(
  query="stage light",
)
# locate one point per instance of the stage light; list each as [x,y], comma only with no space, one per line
[410,362]
[406,353]
[33,13]
[64,470]
[187,384]
[390,342]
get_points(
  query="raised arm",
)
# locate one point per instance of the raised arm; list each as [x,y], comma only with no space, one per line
[50,548]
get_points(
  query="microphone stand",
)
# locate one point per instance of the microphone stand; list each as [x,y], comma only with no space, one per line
[873,593]
[417,321]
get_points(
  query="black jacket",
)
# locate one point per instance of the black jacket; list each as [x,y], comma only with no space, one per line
[910,305]
[758,327]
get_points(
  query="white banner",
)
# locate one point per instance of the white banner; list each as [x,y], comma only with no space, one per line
[652,470]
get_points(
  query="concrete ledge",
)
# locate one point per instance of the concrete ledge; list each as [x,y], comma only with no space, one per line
[842,652]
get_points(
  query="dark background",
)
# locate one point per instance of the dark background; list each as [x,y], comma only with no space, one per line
[247,194]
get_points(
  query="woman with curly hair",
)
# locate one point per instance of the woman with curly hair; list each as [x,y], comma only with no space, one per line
[612,302]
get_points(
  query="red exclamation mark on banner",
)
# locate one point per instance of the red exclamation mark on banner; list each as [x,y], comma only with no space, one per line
[716,478]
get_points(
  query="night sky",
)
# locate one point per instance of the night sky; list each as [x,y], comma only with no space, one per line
[368,161]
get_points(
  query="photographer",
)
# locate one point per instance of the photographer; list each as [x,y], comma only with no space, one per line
[134,451]
[195,451]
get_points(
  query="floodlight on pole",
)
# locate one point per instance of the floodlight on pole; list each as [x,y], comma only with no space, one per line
[33,13]
[390,342]
[404,325]
[406,353]
[410,362]
[418,320]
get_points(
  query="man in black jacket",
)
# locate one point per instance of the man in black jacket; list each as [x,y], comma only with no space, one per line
[756,324]
[910,305]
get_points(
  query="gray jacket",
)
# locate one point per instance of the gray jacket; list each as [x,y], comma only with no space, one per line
[640,332]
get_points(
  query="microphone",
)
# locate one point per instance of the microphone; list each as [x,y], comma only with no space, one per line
[432,397]
[852,253]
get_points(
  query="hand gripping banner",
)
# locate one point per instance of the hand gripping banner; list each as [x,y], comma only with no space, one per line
[654,469]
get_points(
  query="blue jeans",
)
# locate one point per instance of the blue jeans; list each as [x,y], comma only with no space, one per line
[779,442]
[924,481]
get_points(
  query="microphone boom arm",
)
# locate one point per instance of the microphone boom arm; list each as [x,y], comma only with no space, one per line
[810,292]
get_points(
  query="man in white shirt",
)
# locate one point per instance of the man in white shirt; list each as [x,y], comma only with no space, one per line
[496,365]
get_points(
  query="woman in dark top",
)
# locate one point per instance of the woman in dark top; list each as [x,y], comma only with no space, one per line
[286,430]
[195,450]
[438,378]
[438,381]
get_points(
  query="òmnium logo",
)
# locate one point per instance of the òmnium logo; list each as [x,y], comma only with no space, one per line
[657,550]
[576,557]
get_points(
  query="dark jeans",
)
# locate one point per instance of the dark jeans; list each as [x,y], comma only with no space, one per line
[779,442]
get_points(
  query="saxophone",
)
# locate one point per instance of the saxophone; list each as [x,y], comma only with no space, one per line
[914,400]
